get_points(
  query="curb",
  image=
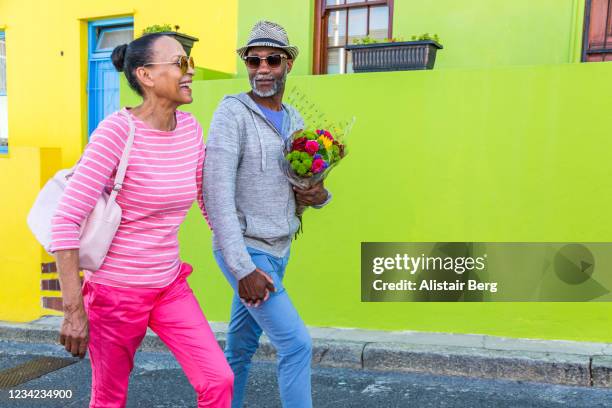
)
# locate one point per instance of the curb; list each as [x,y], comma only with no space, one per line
[545,361]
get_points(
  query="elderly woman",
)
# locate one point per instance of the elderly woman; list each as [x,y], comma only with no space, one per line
[142,282]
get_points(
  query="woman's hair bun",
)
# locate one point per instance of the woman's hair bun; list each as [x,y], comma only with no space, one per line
[118,57]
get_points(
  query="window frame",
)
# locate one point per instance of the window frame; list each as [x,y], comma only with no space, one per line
[106,25]
[322,11]
[3,37]
[4,149]
[586,29]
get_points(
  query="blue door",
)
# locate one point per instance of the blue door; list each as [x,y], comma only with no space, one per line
[103,79]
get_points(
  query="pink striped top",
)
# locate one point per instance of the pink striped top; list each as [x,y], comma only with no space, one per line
[163,178]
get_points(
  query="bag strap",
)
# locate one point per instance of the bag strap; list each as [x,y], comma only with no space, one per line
[123,163]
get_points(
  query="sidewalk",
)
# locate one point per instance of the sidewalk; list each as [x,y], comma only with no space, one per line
[546,361]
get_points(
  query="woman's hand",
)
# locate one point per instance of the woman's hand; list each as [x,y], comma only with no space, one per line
[74,333]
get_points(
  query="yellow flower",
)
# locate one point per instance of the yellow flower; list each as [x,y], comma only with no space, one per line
[326,142]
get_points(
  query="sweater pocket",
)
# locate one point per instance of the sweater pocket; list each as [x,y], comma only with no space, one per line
[266,227]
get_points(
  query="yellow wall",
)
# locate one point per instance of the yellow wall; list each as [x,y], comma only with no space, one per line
[47,106]
[23,173]
[46,91]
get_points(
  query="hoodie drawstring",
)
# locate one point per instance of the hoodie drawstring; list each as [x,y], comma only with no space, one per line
[261,142]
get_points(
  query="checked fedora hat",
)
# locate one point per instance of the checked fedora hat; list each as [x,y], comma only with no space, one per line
[269,34]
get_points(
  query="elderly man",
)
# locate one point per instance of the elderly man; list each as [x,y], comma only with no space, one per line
[252,209]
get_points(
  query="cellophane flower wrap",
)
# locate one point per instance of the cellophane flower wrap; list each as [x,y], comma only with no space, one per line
[310,154]
[309,157]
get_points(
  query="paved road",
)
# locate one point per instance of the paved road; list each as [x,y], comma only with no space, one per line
[158,382]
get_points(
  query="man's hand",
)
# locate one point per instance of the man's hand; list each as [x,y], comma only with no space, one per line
[255,288]
[315,195]
[74,333]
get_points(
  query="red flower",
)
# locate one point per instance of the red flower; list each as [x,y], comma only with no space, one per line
[312,146]
[299,144]
[318,165]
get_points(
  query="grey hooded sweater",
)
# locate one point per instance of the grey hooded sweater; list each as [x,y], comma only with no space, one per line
[250,202]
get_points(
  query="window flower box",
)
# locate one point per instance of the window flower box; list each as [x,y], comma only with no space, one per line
[394,56]
[186,41]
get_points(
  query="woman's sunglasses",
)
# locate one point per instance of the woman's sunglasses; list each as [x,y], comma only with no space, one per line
[274,60]
[184,63]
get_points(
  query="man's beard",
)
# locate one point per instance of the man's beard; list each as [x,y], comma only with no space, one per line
[277,86]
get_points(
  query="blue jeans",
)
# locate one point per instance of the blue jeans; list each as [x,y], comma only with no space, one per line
[283,326]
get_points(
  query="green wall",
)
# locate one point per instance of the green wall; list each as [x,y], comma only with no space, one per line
[206,74]
[475,33]
[509,154]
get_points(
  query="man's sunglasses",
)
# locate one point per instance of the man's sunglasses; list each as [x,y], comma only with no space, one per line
[184,63]
[274,60]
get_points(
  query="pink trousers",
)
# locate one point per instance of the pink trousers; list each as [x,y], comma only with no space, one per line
[118,321]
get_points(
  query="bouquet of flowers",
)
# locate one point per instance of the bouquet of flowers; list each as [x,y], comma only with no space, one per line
[310,155]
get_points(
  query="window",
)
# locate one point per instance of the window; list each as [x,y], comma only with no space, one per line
[597,31]
[3,97]
[110,37]
[341,22]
